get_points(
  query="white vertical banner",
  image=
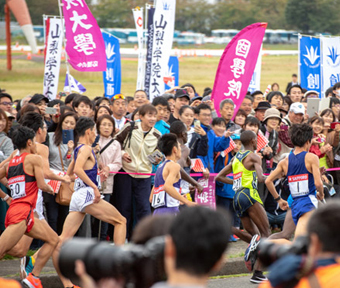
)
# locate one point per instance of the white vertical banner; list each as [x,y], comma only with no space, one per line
[53,56]
[139,20]
[255,82]
[164,24]
[330,61]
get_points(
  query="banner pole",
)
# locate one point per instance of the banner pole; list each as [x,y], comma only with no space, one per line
[299,65]
[64,42]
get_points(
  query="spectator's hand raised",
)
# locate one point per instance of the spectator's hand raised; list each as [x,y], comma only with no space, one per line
[228,133]
[195,103]
[200,131]
[70,145]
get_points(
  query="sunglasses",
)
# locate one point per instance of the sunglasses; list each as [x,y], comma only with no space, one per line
[119,96]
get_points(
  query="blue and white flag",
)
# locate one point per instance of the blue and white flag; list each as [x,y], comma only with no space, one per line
[255,81]
[74,86]
[113,75]
[171,78]
[330,61]
[310,60]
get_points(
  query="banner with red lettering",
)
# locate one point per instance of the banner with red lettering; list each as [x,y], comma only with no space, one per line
[237,65]
[85,45]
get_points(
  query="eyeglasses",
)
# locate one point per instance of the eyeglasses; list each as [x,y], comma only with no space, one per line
[119,96]
[6,103]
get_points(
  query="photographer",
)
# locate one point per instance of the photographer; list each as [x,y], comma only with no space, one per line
[321,266]
[193,249]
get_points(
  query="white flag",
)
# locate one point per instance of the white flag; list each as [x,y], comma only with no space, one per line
[138,17]
[330,61]
[164,24]
[53,56]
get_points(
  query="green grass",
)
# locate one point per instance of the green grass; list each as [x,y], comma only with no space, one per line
[9,257]
[26,76]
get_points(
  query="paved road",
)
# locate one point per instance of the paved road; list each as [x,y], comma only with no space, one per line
[232,282]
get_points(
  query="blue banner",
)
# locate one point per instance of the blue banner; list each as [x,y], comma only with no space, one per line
[171,79]
[310,60]
[113,75]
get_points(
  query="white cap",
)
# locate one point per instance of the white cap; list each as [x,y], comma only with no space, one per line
[297,108]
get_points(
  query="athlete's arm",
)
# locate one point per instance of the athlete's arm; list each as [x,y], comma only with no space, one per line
[313,161]
[173,171]
[221,176]
[186,177]
[270,184]
[9,158]
[257,162]
[48,174]
[151,194]
[36,162]
[84,154]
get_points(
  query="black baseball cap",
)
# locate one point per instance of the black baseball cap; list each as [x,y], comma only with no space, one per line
[180,93]
[37,98]
[263,105]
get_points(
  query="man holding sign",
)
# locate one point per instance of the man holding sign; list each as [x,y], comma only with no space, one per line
[247,171]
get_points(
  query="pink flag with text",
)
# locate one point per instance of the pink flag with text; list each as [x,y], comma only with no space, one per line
[84,41]
[237,65]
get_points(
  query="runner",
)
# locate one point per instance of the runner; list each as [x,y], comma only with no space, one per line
[86,197]
[247,170]
[304,178]
[25,175]
[166,195]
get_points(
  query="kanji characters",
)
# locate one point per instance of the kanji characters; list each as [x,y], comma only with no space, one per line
[313,81]
[77,21]
[242,48]
[73,2]
[84,43]
[238,67]
[234,89]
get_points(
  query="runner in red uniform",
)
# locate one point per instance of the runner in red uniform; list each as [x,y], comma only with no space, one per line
[25,175]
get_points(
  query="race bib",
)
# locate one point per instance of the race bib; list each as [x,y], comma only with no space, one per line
[298,185]
[237,185]
[17,186]
[158,197]
[98,181]
[78,183]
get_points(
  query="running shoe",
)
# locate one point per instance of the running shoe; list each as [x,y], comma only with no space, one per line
[232,239]
[258,277]
[32,281]
[26,266]
[250,254]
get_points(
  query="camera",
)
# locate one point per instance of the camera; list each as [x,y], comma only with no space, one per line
[269,252]
[139,265]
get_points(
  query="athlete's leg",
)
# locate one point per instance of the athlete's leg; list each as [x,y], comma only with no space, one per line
[11,236]
[301,227]
[258,215]
[243,235]
[104,211]
[249,226]
[71,225]
[41,230]
[287,232]
[21,248]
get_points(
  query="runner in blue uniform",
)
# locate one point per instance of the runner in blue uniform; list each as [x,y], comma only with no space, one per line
[304,178]
[166,195]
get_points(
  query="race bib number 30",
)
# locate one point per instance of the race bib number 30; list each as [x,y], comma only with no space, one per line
[17,186]
[237,181]
[298,185]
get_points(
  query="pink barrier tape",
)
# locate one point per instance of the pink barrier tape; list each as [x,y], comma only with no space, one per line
[196,174]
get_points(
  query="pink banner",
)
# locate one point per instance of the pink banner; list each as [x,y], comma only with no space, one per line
[237,65]
[84,41]
[207,197]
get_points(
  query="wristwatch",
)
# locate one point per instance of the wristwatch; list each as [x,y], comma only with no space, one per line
[278,198]
[5,198]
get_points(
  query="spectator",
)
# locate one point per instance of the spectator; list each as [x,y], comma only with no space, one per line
[190,89]
[162,107]
[40,101]
[227,111]
[275,87]
[131,104]
[6,102]
[197,137]
[138,140]
[292,83]
[336,89]
[6,145]
[258,97]
[215,143]
[252,124]
[295,93]
[71,98]
[111,161]
[58,151]
[103,101]
[261,109]
[329,92]
[119,109]
[247,105]
[141,98]
[181,98]
[311,94]
[171,100]
[240,118]
[334,104]
[83,106]
[102,110]
[275,99]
